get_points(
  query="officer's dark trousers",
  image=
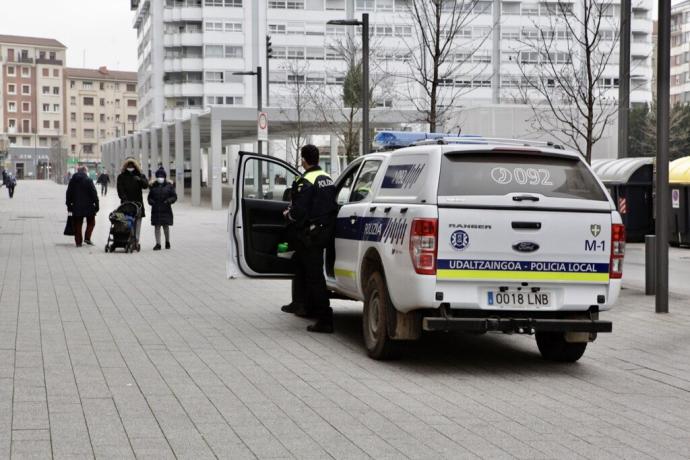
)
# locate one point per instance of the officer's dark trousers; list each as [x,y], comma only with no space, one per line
[309,284]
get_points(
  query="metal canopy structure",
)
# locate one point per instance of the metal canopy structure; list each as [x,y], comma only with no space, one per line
[619,171]
[180,142]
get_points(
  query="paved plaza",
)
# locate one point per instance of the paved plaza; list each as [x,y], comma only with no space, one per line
[157,355]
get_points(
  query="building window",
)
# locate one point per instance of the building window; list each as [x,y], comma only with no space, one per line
[73,100]
[45,90]
[101,102]
[11,106]
[226,3]
[131,102]
[11,123]
[56,90]
[233,27]
[88,116]
[26,71]
[56,107]
[214,51]
[52,55]
[131,119]
[117,103]
[11,88]
[26,141]
[46,72]
[72,116]
[46,107]
[102,134]
[101,86]
[233,51]
[26,126]
[131,87]
[102,118]
[11,70]
[72,83]
[74,148]
[87,84]
[89,133]
[43,142]
[56,73]
[73,132]
[87,148]
[56,124]
[46,124]
[26,89]
[88,101]
[26,107]
[214,77]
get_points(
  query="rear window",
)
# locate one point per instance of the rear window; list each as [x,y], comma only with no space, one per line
[490,173]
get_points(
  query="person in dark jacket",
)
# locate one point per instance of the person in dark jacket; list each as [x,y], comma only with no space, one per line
[311,222]
[11,184]
[161,196]
[104,180]
[130,183]
[82,202]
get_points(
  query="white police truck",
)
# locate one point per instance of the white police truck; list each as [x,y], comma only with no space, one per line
[453,234]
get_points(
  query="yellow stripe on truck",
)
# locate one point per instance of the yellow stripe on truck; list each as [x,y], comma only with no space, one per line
[521,276]
[344,273]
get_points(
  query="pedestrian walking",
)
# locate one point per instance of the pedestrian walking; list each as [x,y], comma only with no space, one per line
[104,180]
[130,183]
[161,197]
[4,177]
[82,203]
[311,221]
[11,184]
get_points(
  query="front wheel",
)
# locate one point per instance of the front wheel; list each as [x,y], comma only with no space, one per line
[377,308]
[553,347]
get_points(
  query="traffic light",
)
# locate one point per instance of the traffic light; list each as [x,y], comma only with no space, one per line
[269,49]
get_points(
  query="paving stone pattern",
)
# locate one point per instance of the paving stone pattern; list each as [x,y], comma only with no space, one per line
[157,355]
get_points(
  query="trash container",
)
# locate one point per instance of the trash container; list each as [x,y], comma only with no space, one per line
[679,182]
[629,181]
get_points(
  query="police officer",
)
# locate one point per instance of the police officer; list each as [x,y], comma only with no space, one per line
[311,220]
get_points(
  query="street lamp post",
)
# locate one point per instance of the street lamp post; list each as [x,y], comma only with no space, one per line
[365,72]
[259,106]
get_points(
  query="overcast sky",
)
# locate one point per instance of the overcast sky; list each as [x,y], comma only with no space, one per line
[101,29]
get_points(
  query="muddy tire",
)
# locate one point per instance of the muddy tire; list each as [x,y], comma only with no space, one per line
[553,347]
[375,320]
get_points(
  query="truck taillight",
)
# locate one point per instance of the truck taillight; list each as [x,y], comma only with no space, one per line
[617,251]
[424,245]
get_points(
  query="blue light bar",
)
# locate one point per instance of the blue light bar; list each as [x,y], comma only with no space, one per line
[390,140]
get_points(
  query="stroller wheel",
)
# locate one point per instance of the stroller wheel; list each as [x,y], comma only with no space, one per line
[138,247]
[106,248]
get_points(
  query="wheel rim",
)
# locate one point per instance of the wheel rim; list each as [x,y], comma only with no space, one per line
[374,314]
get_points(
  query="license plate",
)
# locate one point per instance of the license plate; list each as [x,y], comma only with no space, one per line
[518,299]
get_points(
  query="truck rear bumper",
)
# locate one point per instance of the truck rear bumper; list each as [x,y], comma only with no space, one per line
[515,325]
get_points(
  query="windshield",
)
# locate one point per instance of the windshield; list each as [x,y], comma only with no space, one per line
[501,173]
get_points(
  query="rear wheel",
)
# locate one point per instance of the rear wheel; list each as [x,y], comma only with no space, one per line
[107,247]
[377,308]
[553,347]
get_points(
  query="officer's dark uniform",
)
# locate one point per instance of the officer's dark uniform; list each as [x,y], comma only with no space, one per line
[312,216]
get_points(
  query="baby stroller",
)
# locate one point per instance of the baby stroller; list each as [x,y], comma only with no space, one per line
[123,227]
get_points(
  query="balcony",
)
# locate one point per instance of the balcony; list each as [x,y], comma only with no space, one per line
[184,64]
[184,89]
[183,39]
[48,61]
[182,13]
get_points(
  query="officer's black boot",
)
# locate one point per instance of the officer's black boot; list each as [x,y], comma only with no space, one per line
[291,307]
[321,325]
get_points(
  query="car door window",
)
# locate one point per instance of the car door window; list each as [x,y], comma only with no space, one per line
[365,181]
[344,185]
[267,180]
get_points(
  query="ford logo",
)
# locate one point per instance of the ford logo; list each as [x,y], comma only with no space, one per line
[525,246]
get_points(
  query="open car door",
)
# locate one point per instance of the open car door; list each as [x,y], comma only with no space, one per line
[257,225]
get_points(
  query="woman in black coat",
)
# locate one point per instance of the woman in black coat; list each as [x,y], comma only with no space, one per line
[161,196]
[130,183]
[82,202]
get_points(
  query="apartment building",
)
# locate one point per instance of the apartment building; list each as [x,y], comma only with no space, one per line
[100,104]
[189,49]
[31,101]
[680,53]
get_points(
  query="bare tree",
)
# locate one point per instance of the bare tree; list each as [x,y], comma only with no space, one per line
[563,66]
[442,47]
[298,97]
[339,106]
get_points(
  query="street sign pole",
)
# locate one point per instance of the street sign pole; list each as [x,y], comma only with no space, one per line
[663,81]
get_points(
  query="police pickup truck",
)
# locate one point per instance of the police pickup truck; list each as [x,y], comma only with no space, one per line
[453,234]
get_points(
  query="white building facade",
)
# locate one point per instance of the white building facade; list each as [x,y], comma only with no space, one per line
[189,49]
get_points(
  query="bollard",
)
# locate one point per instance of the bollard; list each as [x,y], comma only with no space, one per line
[650,264]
